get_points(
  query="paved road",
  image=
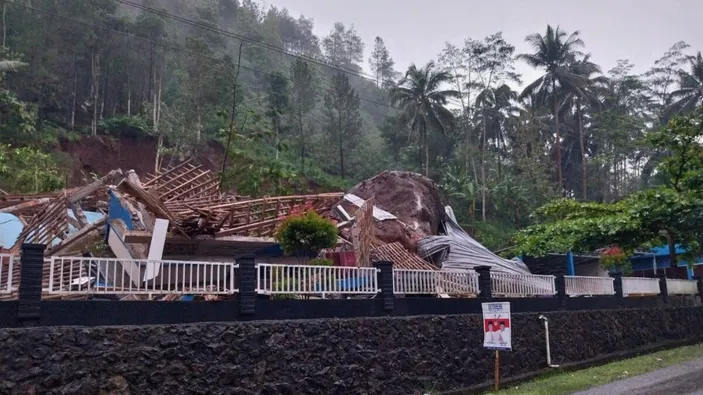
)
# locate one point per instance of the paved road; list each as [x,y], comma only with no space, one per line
[683,379]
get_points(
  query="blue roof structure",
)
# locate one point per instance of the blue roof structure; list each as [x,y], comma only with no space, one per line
[664,250]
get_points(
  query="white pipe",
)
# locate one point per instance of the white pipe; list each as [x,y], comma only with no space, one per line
[546,338]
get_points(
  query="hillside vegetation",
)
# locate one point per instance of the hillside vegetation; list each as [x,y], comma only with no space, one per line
[252,92]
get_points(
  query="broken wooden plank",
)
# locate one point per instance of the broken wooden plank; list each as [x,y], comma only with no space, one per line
[83,192]
[77,237]
[79,214]
[25,205]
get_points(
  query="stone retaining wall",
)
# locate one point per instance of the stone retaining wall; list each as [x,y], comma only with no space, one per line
[352,356]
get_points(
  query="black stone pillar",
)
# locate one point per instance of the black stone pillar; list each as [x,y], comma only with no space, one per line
[385,284]
[31,269]
[617,284]
[246,282]
[485,287]
[560,284]
[663,288]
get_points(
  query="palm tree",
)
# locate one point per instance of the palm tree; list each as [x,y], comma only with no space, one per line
[494,104]
[690,92]
[8,66]
[423,101]
[555,51]
[590,93]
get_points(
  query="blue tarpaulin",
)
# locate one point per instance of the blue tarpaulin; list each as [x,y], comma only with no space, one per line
[11,227]
[348,284]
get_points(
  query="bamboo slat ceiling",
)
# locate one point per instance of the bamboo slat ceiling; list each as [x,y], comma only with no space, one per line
[191,195]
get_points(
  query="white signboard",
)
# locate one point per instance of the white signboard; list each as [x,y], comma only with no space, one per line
[497,326]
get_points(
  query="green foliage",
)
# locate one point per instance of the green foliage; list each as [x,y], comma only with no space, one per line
[670,214]
[305,234]
[422,99]
[187,86]
[616,260]
[342,118]
[495,235]
[18,119]
[124,125]
[27,170]
[321,262]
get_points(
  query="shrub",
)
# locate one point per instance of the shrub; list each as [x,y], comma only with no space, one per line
[321,262]
[302,235]
[28,170]
[614,258]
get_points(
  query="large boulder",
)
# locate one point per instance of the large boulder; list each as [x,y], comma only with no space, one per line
[411,197]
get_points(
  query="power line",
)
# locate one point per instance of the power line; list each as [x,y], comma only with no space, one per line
[262,44]
[170,46]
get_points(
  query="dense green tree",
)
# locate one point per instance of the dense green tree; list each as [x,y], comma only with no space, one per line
[343,47]
[670,213]
[303,100]
[278,102]
[342,118]
[382,64]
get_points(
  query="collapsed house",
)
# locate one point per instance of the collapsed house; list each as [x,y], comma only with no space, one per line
[137,233]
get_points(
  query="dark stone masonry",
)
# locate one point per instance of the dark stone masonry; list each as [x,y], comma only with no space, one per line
[351,356]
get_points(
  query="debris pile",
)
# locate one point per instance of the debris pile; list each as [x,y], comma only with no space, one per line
[181,212]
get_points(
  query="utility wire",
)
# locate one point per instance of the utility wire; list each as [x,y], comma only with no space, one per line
[259,43]
[177,48]
[170,46]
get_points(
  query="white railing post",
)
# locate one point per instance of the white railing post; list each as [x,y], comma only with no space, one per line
[433,282]
[522,285]
[52,262]
[7,261]
[589,286]
[640,286]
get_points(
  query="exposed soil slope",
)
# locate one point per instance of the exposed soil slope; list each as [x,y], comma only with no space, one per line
[101,154]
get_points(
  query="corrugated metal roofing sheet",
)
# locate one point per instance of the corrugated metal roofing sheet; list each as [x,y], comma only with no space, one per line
[462,252]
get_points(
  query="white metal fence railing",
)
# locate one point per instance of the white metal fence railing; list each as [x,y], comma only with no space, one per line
[8,265]
[87,275]
[583,285]
[640,286]
[273,279]
[407,281]
[522,285]
[681,287]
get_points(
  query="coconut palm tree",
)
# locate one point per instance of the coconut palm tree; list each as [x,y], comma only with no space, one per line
[577,95]
[8,66]
[554,52]
[423,101]
[494,104]
[690,92]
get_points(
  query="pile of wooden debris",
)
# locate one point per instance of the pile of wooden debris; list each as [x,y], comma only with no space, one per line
[186,195]
[183,212]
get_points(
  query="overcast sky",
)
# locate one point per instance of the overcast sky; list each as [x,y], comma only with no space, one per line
[415,31]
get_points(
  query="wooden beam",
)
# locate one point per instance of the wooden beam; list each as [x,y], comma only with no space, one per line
[80,215]
[159,176]
[25,205]
[76,237]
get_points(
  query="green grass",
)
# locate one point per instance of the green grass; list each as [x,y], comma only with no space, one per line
[569,382]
